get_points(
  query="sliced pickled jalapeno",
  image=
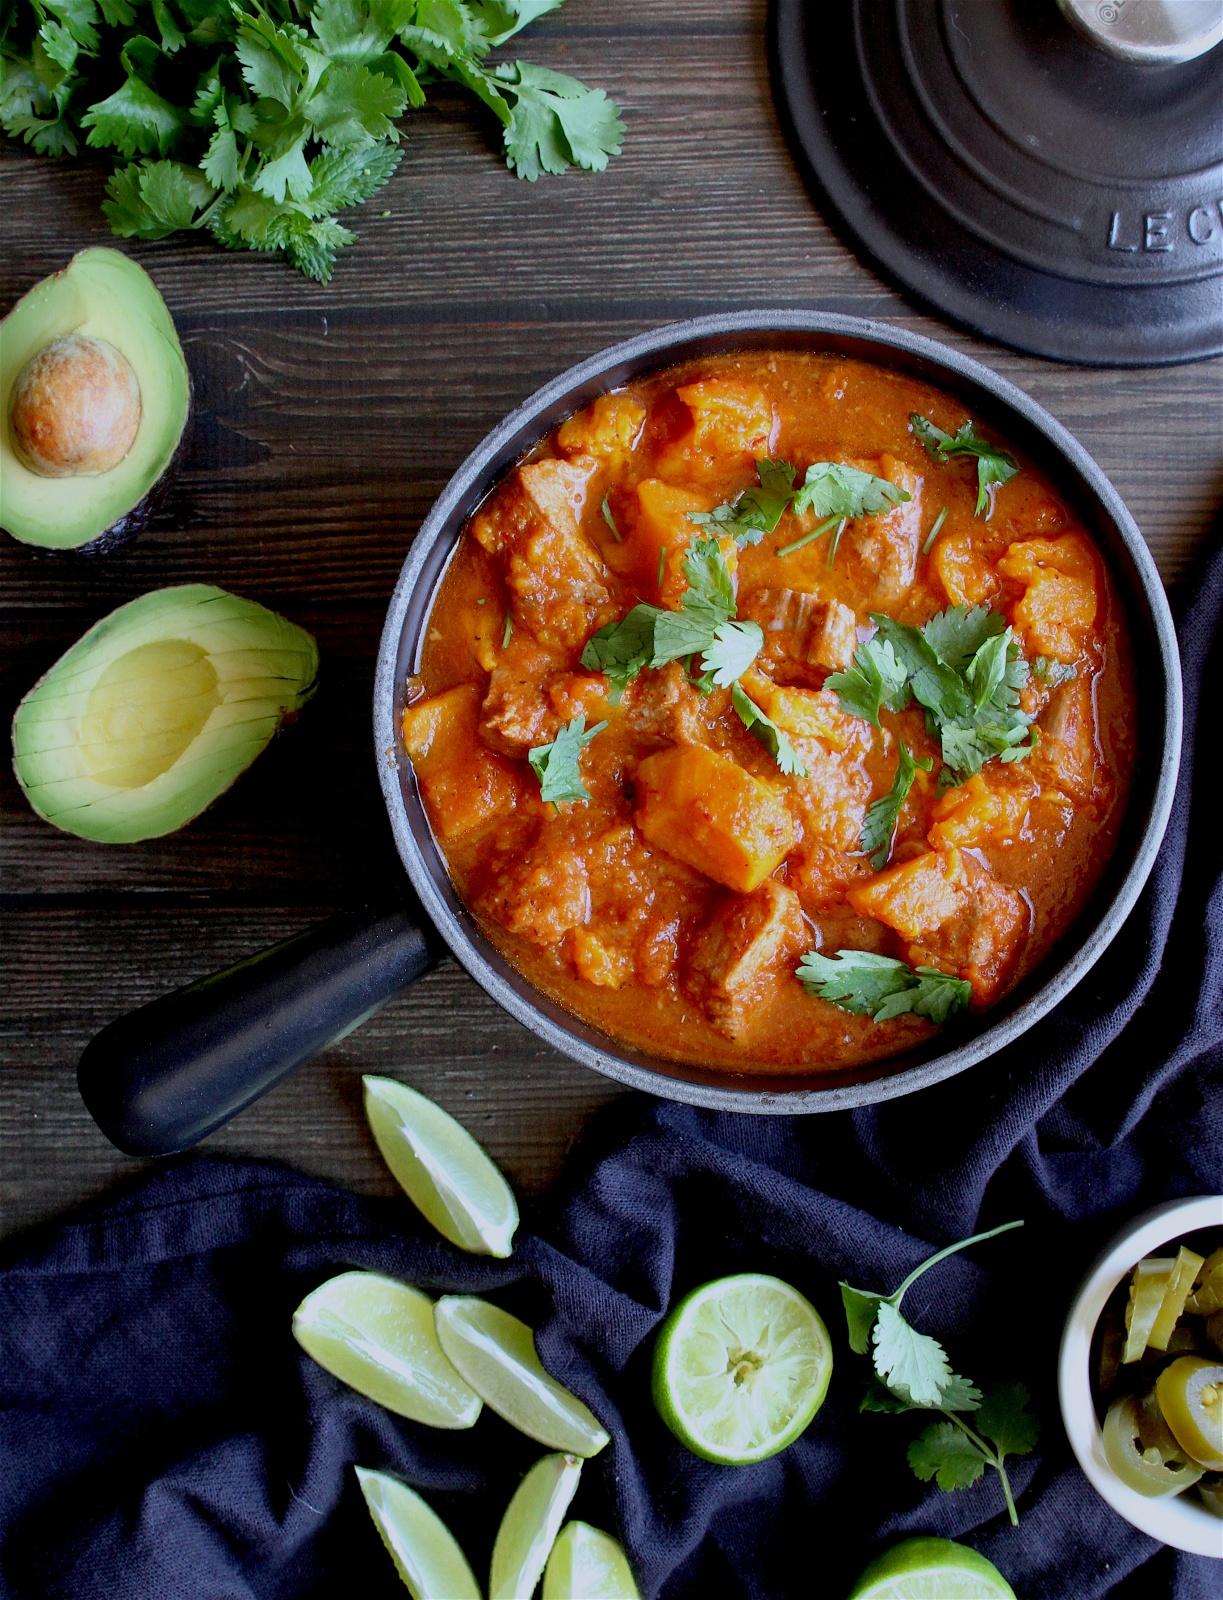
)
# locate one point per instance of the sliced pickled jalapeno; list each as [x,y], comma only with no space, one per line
[1150,1283]
[1210,1490]
[1190,1395]
[1184,1272]
[1149,1469]
[1214,1330]
[1207,1297]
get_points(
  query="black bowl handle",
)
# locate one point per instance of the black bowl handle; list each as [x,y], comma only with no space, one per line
[163,1078]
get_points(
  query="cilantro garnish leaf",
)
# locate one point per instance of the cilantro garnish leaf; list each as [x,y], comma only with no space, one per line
[944,1452]
[876,679]
[881,987]
[622,649]
[913,1365]
[879,825]
[755,512]
[831,489]
[708,602]
[556,765]
[769,734]
[994,466]
[1051,672]
[263,109]
[955,635]
[735,646]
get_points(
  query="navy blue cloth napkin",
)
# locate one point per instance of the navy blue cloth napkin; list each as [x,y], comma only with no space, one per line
[163,1438]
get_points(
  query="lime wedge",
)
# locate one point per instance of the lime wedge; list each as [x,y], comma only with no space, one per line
[441,1168]
[587,1565]
[740,1368]
[378,1336]
[422,1547]
[530,1526]
[496,1354]
[931,1569]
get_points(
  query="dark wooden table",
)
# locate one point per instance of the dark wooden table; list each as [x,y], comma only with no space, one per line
[327,421]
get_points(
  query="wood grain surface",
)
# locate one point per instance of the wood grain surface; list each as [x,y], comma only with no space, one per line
[327,420]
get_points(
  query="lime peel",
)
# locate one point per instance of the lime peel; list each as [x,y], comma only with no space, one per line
[741,1366]
[529,1528]
[441,1168]
[425,1552]
[931,1569]
[495,1353]
[378,1336]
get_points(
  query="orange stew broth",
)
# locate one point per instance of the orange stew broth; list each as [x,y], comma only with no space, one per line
[671,910]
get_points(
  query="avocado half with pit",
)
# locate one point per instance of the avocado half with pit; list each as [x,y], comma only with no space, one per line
[95,396]
[157,710]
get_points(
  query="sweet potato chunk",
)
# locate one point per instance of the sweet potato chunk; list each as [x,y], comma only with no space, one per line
[802,628]
[968,579]
[831,801]
[729,418]
[955,913]
[1057,615]
[749,942]
[608,430]
[988,809]
[540,494]
[805,713]
[820,876]
[706,810]
[462,782]
[659,534]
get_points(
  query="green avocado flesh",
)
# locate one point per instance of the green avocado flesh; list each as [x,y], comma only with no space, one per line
[156,710]
[100,295]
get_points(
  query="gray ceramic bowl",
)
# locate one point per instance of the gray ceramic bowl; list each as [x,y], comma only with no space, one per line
[1017,417]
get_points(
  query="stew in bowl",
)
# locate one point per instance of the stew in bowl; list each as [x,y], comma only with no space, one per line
[773,711]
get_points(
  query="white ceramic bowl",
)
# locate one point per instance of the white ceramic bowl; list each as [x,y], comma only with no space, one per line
[1179,1520]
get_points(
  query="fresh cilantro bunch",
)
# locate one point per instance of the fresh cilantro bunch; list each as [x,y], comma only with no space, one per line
[259,120]
[964,667]
[881,987]
[993,465]
[913,1374]
[556,765]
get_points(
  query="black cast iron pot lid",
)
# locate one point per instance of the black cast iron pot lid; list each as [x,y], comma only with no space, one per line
[1013,174]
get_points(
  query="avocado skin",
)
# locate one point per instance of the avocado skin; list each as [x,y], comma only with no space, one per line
[106,278]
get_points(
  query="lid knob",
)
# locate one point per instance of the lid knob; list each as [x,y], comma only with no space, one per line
[1149,32]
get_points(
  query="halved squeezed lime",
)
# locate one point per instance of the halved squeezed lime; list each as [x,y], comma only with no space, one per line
[740,1368]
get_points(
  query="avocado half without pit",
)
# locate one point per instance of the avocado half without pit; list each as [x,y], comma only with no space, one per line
[157,710]
[96,395]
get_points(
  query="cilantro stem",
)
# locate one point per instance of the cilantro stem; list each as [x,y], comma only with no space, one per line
[835,541]
[610,520]
[991,1456]
[950,1250]
[662,564]
[509,628]
[789,549]
[934,531]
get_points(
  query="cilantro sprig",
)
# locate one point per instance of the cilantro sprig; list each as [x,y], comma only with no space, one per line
[964,667]
[881,987]
[879,825]
[913,1374]
[831,489]
[259,120]
[755,512]
[556,765]
[994,466]
[769,734]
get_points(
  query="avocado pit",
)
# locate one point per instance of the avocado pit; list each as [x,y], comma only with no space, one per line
[75,408]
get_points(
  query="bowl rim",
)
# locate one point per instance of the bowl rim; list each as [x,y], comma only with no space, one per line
[529,422]
[1174,1519]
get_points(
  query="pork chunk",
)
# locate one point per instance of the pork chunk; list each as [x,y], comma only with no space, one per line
[557,583]
[883,549]
[518,712]
[748,943]
[955,914]
[1066,758]
[802,628]
[541,895]
[541,493]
